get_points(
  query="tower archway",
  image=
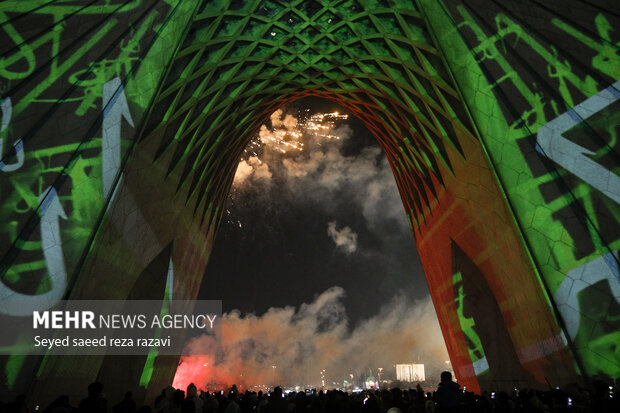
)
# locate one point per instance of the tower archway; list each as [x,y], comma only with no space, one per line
[141,110]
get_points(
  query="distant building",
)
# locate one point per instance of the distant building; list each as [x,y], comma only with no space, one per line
[410,372]
[371,382]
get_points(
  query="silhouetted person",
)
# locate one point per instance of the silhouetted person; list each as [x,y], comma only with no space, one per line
[95,402]
[127,405]
[18,406]
[397,399]
[192,394]
[177,401]
[232,406]
[300,403]
[261,406]
[188,406]
[163,403]
[371,405]
[61,402]
[277,404]
[210,403]
[429,405]
[448,396]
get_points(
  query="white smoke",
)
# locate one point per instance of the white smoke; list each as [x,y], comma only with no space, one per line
[302,342]
[253,167]
[319,170]
[324,170]
[289,122]
[345,239]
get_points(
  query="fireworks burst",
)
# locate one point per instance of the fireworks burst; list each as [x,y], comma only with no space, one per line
[286,134]
[320,124]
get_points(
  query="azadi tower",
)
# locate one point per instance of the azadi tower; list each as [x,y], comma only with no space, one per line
[122,124]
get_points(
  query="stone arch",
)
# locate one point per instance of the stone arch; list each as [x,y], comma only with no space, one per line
[115,116]
[236,67]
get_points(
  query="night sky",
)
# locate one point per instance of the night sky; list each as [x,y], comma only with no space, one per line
[273,247]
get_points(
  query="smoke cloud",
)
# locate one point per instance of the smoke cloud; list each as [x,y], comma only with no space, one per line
[290,346]
[252,167]
[345,239]
[315,168]
[289,122]
[323,170]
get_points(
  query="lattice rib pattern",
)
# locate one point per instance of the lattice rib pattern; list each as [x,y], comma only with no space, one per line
[240,63]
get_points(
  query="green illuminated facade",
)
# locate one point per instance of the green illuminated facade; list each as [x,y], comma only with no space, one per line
[123,123]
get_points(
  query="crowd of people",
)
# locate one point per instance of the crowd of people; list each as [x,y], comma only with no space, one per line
[449,397]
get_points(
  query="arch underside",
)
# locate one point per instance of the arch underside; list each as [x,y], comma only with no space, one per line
[233,70]
[200,79]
